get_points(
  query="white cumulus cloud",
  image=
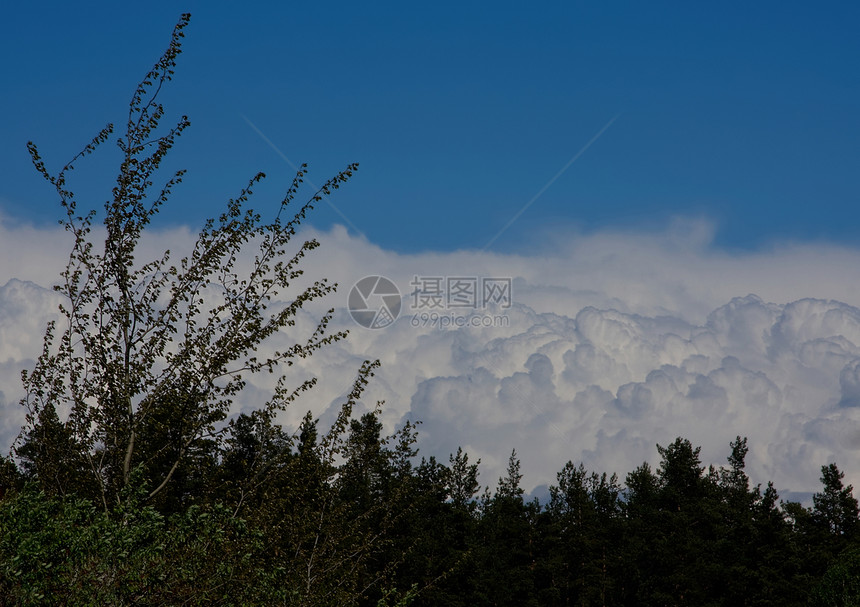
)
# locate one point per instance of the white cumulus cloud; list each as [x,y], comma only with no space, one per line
[614,342]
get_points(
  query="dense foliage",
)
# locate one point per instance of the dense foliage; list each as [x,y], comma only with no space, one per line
[130,484]
[378,528]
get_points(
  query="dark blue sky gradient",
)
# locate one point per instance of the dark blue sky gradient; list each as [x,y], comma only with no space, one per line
[746,115]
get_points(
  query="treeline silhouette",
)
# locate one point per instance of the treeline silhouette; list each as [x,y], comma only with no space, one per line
[264,517]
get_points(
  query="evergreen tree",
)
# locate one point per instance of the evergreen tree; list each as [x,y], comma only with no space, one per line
[504,544]
[50,457]
[835,507]
[584,510]
[675,519]
[443,561]
[737,561]
[642,528]
[463,481]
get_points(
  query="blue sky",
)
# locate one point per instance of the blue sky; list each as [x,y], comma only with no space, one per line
[746,115]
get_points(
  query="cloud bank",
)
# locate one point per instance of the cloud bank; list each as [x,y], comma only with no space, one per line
[614,342]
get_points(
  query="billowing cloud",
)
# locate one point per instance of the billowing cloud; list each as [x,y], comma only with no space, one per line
[613,342]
